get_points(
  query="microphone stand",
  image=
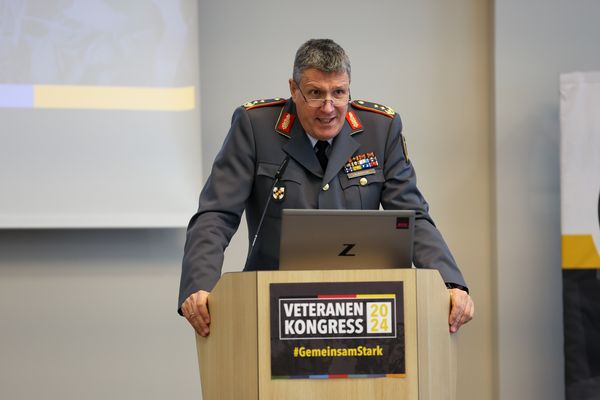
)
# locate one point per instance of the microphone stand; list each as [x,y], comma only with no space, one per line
[277,177]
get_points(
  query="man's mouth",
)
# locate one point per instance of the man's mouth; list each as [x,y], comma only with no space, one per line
[326,121]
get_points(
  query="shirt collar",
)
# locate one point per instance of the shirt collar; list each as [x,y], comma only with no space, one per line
[314,141]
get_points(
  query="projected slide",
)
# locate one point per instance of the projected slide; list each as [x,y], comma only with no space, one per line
[99,117]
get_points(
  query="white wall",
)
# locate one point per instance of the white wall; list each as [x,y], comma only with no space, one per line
[535,40]
[91,314]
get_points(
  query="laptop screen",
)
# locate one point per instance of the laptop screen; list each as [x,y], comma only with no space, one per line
[346,239]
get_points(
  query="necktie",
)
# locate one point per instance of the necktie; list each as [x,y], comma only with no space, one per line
[321,151]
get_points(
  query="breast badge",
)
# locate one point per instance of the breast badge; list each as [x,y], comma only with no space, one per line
[278,193]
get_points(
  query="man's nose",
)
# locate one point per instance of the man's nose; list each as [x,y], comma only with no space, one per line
[327,105]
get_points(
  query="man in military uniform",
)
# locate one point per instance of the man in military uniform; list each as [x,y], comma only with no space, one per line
[342,154]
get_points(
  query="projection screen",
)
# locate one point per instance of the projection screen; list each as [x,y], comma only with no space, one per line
[99,113]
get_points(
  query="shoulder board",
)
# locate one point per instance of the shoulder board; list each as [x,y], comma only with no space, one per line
[374,107]
[263,103]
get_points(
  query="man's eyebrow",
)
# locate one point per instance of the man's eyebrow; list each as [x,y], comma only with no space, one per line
[313,85]
[317,86]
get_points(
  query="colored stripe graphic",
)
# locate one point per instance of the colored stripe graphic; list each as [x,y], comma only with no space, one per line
[339,376]
[16,96]
[376,296]
[98,97]
[356,296]
[579,252]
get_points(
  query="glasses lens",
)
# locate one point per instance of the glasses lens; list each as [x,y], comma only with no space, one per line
[335,101]
[338,98]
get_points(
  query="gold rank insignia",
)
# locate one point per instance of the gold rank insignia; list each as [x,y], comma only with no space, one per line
[374,107]
[263,103]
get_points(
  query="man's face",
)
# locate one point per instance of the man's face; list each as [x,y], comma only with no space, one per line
[324,122]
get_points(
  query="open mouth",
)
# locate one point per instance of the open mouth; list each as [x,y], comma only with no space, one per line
[326,121]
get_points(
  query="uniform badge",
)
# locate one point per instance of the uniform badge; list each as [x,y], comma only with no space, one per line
[405,148]
[374,107]
[285,123]
[278,193]
[263,103]
[353,120]
[361,165]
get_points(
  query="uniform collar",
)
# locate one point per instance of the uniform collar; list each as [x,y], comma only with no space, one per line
[288,119]
[300,148]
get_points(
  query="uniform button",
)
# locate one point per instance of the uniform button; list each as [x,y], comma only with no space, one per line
[363,181]
[326,187]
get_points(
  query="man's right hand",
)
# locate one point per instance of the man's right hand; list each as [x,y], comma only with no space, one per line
[195,310]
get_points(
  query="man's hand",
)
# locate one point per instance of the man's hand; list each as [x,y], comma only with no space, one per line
[461,309]
[195,310]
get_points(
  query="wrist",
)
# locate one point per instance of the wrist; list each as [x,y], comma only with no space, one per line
[451,285]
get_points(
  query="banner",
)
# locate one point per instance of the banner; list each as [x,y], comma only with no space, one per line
[337,330]
[580,221]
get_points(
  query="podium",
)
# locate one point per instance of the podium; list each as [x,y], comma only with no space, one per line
[235,360]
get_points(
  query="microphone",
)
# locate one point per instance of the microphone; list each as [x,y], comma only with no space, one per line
[281,170]
[277,177]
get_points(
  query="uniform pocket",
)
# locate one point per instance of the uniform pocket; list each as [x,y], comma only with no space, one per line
[285,191]
[269,171]
[366,187]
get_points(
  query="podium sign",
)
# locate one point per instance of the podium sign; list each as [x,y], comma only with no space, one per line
[337,330]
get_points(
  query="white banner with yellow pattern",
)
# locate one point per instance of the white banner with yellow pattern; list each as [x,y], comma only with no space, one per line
[580,169]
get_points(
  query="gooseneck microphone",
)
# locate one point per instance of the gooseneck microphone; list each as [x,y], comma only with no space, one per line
[277,178]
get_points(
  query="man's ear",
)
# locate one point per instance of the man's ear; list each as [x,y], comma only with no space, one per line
[292,87]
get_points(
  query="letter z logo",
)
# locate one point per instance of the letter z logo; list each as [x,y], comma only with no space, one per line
[346,251]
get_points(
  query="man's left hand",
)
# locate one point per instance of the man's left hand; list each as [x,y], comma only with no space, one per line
[462,309]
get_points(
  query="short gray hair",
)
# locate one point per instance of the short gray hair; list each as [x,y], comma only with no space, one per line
[324,55]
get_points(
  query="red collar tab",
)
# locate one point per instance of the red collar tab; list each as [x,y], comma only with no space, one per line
[285,123]
[354,122]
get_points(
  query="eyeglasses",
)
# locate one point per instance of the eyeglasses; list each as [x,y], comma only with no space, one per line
[339,97]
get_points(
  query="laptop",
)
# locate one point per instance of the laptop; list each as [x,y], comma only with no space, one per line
[346,239]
